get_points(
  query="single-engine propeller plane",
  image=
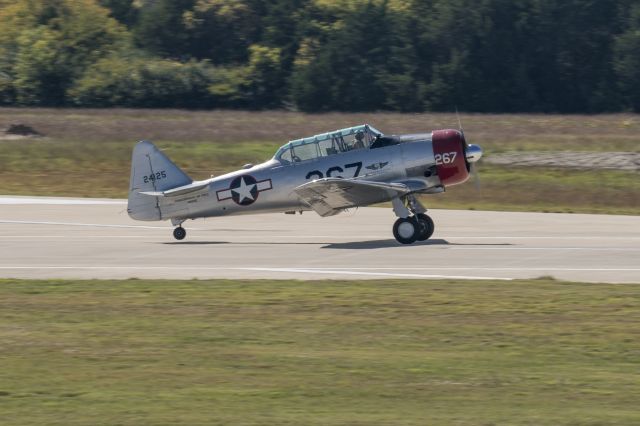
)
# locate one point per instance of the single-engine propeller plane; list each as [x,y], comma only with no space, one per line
[326,173]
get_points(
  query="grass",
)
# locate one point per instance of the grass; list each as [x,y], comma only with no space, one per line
[87,152]
[535,352]
[546,190]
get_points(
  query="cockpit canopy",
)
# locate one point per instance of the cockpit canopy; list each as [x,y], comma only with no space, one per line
[325,144]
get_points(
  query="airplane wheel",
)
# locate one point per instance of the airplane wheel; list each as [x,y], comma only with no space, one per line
[405,230]
[179,233]
[426,227]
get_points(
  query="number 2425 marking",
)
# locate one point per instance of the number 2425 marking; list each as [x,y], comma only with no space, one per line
[153,177]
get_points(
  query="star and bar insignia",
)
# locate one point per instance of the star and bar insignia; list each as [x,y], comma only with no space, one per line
[377,166]
[244,190]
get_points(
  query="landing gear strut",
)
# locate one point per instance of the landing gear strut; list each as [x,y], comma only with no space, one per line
[412,224]
[179,233]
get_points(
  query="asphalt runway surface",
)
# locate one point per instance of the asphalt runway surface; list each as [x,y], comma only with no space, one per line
[92,238]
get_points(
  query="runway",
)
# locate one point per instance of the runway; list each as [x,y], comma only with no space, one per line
[92,238]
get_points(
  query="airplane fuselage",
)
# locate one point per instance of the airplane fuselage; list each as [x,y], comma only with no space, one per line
[268,187]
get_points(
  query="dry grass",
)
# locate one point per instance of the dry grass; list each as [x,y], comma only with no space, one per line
[617,132]
[86,152]
[546,190]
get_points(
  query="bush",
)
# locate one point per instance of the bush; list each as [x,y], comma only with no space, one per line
[145,82]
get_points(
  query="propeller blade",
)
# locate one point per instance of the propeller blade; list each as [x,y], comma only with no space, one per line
[475,148]
[459,121]
[476,176]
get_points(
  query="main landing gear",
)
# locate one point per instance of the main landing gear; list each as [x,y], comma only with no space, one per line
[412,224]
[178,233]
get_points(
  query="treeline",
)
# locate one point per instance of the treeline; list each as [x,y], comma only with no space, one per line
[318,55]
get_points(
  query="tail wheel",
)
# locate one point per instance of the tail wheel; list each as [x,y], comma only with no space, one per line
[405,230]
[179,233]
[426,227]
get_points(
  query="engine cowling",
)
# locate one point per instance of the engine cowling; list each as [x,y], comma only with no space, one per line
[449,154]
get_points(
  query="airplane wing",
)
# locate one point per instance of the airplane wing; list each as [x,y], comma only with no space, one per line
[329,196]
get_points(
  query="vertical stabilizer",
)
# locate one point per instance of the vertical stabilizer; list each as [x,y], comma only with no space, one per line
[151,171]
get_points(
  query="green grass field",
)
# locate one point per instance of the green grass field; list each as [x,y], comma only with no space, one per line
[87,152]
[535,352]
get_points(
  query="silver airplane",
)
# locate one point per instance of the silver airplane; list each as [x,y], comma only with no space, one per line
[326,173]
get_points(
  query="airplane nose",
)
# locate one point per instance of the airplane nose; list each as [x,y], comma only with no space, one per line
[473,153]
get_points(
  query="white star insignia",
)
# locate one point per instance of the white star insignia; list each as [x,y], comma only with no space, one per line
[244,190]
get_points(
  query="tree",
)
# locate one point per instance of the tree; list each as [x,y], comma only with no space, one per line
[161,29]
[47,44]
[222,30]
[627,60]
[254,85]
[265,76]
[318,55]
[570,54]
[363,64]
[124,11]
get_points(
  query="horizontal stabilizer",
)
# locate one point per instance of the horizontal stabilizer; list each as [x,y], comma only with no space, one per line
[181,190]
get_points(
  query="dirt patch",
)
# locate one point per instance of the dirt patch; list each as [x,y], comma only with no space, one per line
[19,131]
[629,161]
[22,130]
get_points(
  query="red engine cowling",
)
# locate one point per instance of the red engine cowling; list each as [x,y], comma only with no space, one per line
[449,154]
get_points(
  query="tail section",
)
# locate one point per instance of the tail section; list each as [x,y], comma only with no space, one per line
[151,171]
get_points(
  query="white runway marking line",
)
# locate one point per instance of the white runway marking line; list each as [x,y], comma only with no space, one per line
[368,271]
[346,237]
[550,248]
[484,237]
[539,237]
[238,239]
[58,201]
[97,225]
[446,268]
[82,236]
[315,269]
[451,246]
[386,274]
[291,270]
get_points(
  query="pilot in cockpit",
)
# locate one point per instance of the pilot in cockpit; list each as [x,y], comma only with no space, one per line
[358,142]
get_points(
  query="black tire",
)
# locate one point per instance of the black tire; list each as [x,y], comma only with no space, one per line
[405,230]
[426,227]
[179,233]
